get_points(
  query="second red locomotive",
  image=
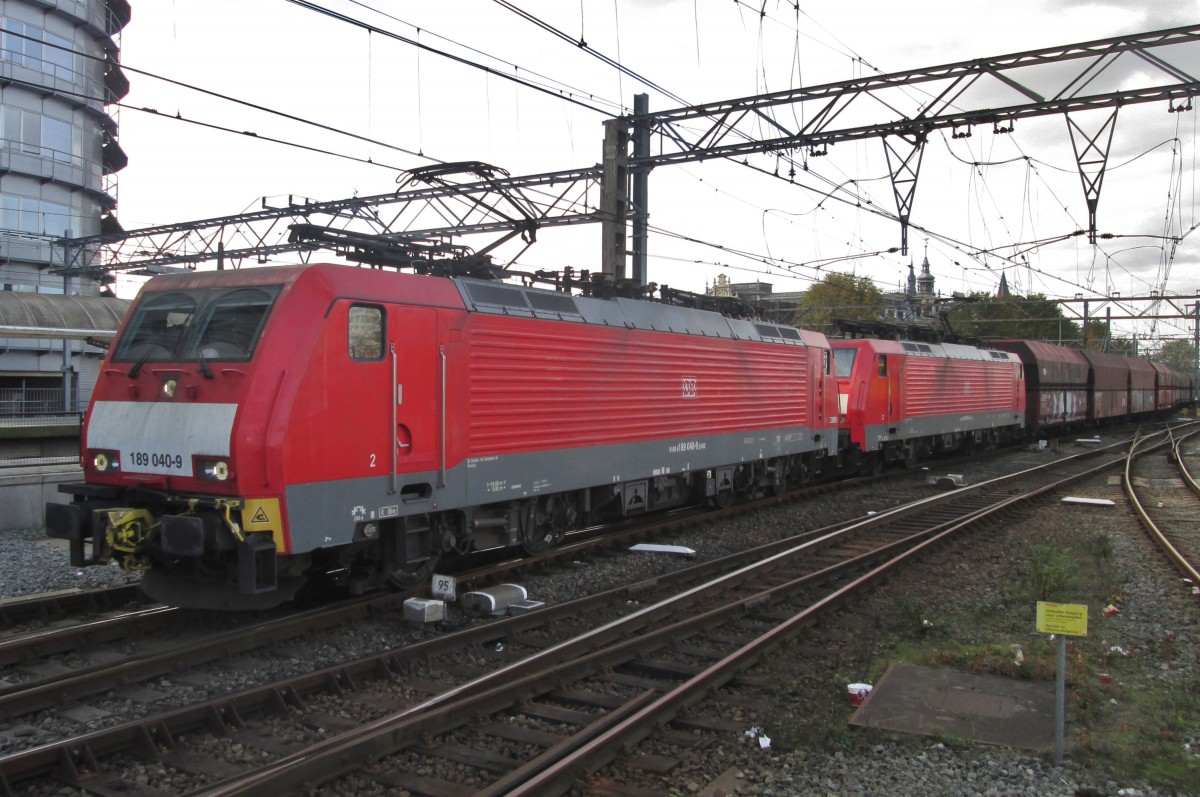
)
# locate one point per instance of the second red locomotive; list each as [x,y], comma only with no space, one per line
[904,400]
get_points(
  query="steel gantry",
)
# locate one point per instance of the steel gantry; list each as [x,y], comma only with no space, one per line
[958,96]
[409,225]
[900,108]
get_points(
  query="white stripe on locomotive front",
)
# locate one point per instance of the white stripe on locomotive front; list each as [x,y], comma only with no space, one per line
[161,437]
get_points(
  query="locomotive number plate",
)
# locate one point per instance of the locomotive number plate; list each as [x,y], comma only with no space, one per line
[156,461]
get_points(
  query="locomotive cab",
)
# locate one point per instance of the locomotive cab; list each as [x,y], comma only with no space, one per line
[163,462]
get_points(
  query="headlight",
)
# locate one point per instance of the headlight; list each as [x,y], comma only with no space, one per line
[216,470]
[106,461]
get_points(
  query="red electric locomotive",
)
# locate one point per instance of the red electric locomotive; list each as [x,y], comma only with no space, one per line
[257,429]
[901,400]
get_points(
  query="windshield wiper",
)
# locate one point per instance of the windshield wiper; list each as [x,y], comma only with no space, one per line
[205,371]
[137,366]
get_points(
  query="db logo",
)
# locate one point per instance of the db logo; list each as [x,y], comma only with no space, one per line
[689,387]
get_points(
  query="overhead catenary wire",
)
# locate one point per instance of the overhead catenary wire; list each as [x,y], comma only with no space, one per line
[961,247]
[562,95]
[509,5]
[845,190]
[1168,253]
[512,65]
[178,117]
[217,95]
[583,45]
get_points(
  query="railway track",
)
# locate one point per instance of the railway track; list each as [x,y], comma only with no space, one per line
[42,609]
[122,648]
[518,667]
[1155,487]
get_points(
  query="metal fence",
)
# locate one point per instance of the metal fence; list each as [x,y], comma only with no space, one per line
[32,402]
[36,429]
[41,424]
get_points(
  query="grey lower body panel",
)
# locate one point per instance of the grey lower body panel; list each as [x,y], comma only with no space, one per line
[323,514]
[878,434]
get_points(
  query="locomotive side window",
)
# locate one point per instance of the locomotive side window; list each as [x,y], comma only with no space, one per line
[157,327]
[366,332]
[882,366]
[233,323]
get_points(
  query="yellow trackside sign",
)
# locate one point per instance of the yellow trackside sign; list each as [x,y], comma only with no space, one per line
[1068,619]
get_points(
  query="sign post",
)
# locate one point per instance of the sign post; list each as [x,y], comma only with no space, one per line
[1062,619]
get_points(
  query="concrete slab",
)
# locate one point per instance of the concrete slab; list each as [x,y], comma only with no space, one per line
[24,493]
[984,708]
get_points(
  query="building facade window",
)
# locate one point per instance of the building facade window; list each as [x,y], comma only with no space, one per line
[27,45]
[21,214]
[36,134]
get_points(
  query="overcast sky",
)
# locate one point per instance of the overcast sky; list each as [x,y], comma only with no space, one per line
[984,200]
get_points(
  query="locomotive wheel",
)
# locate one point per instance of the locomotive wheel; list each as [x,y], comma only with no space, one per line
[743,483]
[404,577]
[722,500]
[792,476]
[804,474]
[546,521]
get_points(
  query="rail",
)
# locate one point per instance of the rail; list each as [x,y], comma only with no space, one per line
[596,744]
[552,633]
[1173,553]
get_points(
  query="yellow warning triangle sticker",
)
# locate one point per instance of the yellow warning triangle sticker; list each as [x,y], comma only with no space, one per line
[260,516]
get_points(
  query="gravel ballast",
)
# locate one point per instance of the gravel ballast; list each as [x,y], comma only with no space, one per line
[981,572]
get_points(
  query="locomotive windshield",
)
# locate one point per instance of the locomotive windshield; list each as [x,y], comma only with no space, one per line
[220,324]
[843,361]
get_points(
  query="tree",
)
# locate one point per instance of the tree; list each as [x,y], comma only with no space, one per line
[1178,354]
[1125,346]
[1101,338]
[982,315]
[839,296]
